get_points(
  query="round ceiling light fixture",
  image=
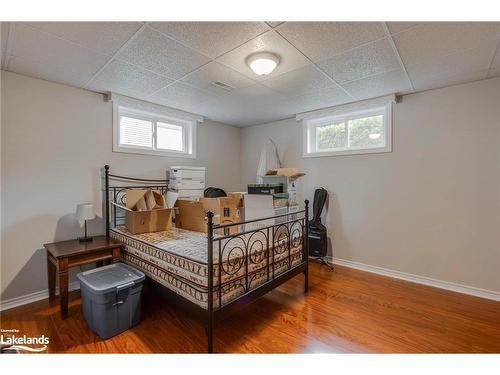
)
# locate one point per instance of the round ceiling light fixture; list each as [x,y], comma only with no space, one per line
[263,63]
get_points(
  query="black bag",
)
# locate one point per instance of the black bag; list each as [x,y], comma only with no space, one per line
[212,192]
[318,242]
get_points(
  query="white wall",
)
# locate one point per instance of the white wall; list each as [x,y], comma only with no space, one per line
[55,140]
[432,206]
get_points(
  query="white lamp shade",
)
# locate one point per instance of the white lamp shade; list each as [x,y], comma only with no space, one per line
[84,212]
[263,63]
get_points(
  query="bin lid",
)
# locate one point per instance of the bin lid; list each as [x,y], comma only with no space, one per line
[108,278]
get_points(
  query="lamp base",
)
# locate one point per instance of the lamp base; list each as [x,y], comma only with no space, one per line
[85,239]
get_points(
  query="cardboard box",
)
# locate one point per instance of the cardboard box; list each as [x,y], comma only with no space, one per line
[190,193]
[145,212]
[182,172]
[138,222]
[227,210]
[186,184]
[192,214]
[239,197]
[291,173]
[286,176]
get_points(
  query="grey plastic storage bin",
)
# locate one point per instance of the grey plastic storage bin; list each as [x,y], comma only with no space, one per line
[111,298]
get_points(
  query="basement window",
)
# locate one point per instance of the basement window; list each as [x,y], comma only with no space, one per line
[141,130]
[347,132]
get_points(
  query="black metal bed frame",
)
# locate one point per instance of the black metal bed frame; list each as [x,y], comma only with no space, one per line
[270,240]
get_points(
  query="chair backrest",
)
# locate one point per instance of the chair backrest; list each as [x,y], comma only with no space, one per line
[320,196]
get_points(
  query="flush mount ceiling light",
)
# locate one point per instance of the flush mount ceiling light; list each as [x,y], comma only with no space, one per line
[263,63]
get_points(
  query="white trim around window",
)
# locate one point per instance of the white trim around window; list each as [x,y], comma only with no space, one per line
[150,129]
[347,129]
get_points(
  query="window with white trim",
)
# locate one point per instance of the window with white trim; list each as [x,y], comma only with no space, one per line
[347,132]
[142,130]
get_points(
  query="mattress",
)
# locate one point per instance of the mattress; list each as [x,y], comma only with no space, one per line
[178,260]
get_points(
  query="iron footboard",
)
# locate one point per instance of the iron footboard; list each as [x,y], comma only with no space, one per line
[253,261]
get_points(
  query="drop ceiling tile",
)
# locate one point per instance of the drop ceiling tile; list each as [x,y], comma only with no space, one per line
[369,59]
[182,96]
[239,111]
[212,38]
[250,118]
[4,30]
[256,98]
[323,40]
[423,43]
[298,82]
[324,98]
[52,56]
[397,27]
[453,80]
[494,73]
[378,85]
[247,117]
[154,51]
[495,64]
[127,79]
[208,107]
[104,37]
[49,72]
[215,109]
[257,93]
[444,67]
[205,77]
[274,24]
[290,58]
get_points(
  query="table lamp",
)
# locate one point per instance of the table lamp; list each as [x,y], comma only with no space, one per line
[85,212]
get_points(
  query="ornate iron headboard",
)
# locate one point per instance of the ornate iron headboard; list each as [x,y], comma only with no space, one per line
[116,194]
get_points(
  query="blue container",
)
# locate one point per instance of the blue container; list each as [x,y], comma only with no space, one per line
[111,298]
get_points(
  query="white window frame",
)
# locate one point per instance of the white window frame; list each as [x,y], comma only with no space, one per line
[123,106]
[311,121]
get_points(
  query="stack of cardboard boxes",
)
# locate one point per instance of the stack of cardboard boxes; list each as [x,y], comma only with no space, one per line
[147,211]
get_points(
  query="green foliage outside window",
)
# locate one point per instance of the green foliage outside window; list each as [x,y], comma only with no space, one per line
[331,136]
[363,132]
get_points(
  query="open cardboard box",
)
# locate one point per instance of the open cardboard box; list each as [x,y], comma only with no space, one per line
[146,211]
[291,173]
[192,214]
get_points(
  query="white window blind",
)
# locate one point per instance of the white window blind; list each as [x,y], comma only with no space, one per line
[146,129]
[169,137]
[136,132]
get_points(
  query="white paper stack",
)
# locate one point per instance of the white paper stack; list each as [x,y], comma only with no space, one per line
[188,181]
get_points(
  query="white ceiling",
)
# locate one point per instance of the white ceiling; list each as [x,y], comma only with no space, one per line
[322,63]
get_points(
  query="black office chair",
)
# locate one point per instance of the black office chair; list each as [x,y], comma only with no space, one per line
[318,240]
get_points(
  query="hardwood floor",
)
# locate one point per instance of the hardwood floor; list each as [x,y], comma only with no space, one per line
[345,311]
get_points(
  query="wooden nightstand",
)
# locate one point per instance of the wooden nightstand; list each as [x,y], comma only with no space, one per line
[63,255]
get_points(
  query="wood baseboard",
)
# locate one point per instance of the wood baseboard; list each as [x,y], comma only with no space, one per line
[455,287]
[33,297]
